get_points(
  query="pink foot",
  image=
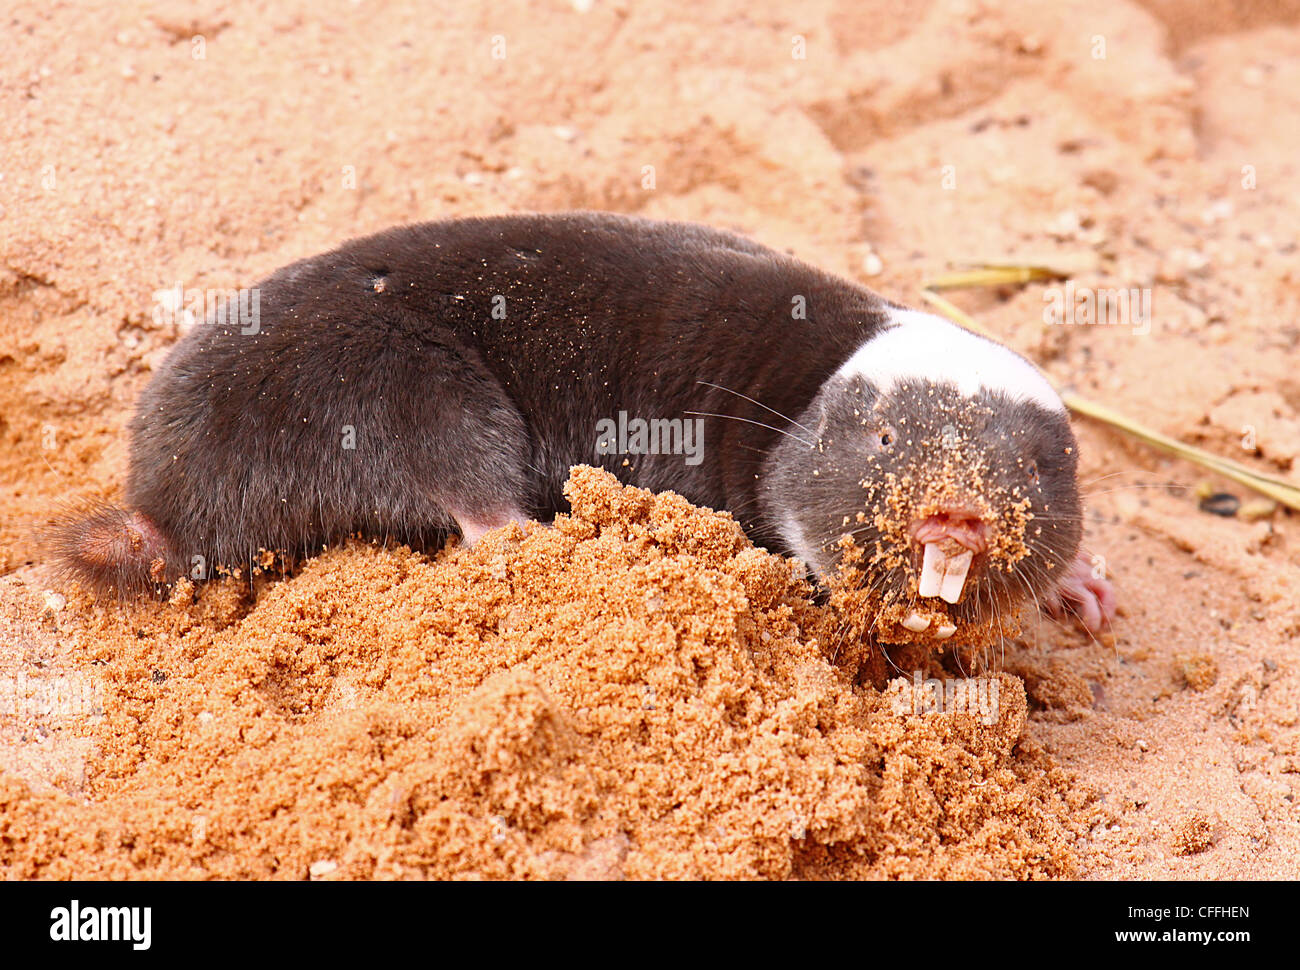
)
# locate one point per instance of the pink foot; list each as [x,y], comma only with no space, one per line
[1088,598]
[472,530]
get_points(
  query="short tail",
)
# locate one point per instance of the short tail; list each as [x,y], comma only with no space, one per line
[114,551]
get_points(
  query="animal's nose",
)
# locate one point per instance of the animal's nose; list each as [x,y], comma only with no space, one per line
[964,528]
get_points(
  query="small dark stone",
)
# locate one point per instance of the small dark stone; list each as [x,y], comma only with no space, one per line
[158,676]
[1221,503]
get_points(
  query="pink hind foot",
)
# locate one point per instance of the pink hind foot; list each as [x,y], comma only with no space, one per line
[1085,596]
[472,530]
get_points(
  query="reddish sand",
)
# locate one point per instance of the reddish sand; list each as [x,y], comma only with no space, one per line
[639,693]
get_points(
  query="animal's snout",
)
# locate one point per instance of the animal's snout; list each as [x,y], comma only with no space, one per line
[964,528]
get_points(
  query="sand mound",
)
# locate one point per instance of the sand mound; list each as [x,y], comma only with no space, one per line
[633,692]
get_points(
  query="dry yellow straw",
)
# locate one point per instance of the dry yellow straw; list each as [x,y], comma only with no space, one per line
[995,274]
[1278,489]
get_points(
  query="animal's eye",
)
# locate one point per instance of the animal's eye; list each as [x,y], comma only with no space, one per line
[1032,469]
[886,438]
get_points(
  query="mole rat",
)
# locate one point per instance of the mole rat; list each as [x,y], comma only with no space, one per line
[443,378]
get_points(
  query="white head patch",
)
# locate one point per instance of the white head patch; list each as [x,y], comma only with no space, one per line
[927,347]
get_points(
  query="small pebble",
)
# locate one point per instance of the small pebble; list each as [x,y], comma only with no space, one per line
[1221,503]
[1257,508]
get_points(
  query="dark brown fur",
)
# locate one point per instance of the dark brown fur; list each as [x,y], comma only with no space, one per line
[238,442]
